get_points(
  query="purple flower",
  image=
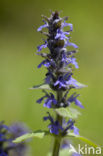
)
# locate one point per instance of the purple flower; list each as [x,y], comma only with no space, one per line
[68,60]
[73,98]
[17,130]
[41,99]
[72,82]
[59,62]
[61,35]
[54,126]
[76,130]
[42,46]
[49,101]
[73,45]
[73,61]
[76,154]
[46,63]
[3,128]
[65,144]
[49,77]
[65,60]
[3,153]
[60,82]
[64,24]
[70,126]
[67,43]
[64,81]
[4,139]
[42,26]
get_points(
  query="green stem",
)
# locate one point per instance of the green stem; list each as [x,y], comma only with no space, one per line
[56,147]
[57,140]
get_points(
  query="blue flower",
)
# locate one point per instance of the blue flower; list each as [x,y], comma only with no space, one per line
[76,154]
[46,63]
[18,129]
[65,80]
[3,153]
[70,126]
[41,99]
[60,82]
[76,130]
[61,35]
[64,59]
[42,26]
[73,98]
[3,132]
[42,46]
[7,135]
[49,77]
[73,61]
[68,60]
[65,144]
[3,139]
[72,82]
[50,100]
[54,126]
[64,24]
[67,43]
[59,62]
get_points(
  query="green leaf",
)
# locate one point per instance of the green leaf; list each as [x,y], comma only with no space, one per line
[42,86]
[67,112]
[89,142]
[37,134]
[80,85]
[74,112]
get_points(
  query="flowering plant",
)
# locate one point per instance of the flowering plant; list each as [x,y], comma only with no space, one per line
[7,135]
[60,62]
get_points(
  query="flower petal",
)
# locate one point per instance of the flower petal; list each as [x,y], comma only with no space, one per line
[42,26]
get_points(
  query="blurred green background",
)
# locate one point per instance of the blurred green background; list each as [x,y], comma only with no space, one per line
[19,21]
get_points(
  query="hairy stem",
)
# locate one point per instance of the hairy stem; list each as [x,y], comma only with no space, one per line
[57,140]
